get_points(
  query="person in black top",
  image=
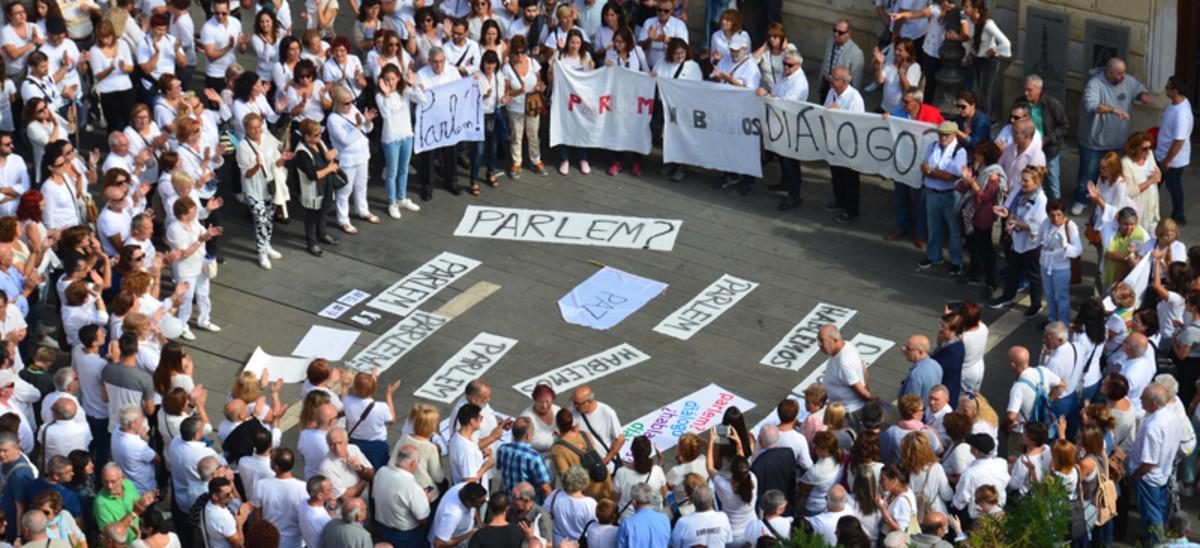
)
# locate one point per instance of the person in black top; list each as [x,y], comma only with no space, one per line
[499,533]
[775,466]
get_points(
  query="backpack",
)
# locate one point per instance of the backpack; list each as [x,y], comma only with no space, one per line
[1105,498]
[1041,411]
[590,459]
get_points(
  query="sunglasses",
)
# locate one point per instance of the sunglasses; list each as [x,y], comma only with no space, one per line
[840,32]
[220,13]
[1015,118]
[962,106]
[790,65]
[58,164]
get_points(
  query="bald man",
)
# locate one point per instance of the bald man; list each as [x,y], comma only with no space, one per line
[933,531]
[1104,121]
[600,421]
[846,376]
[836,506]
[924,373]
[1137,368]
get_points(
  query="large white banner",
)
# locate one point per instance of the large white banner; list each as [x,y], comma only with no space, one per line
[466,365]
[609,108]
[404,296]
[712,126]
[867,143]
[568,227]
[451,113]
[695,413]
[585,370]
[705,308]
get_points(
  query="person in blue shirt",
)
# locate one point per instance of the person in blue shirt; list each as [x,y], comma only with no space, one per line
[924,374]
[16,476]
[646,528]
[973,126]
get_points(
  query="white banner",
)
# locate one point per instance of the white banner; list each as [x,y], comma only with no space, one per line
[694,413]
[291,370]
[712,126]
[451,113]
[608,108]
[867,143]
[585,370]
[466,365]
[706,307]
[386,350]
[404,296]
[568,227]
[800,344]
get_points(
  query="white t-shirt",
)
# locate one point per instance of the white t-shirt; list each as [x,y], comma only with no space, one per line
[602,424]
[117,80]
[340,474]
[374,426]
[903,508]
[136,459]
[757,528]
[570,514]
[465,458]
[739,511]
[181,236]
[974,347]
[845,370]
[281,501]
[1021,396]
[710,529]
[219,525]
[892,92]
[626,478]
[1177,123]
[218,35]
[312,523]
[313,447]
[821,477]
[453,518]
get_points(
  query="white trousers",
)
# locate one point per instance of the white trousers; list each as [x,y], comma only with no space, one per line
[198,290]
[357,189]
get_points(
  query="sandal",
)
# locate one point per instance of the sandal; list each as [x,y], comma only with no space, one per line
[474,189]
[493,181]
[370,218]
[349,229]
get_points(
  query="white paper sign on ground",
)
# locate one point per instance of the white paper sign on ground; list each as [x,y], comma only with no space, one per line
[291,370]
[705,307]
[711,125]
[386,350]
[326,342]
[607,297]
[566,227]
[870,349]
[800,344]
[585,370]
[353,297]
[451,113]
[404,296]
[695,413]
[607,108]
[334,310]
[468,364]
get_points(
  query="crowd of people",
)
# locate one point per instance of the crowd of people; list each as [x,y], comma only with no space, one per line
[117,163]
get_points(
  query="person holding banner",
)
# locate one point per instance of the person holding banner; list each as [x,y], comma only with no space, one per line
[430,76]
[791,86]
[573,56]
[912,107]
[656,33]
[943,168]
[843,96]
[524,101]
[628,55]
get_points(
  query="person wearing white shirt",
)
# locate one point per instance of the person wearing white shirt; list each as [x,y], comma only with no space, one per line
[396,139]
[986,47]
[1061,243]
[14,177]
[1137,368]
[468,462]
[255,467]
[844,97]
[430,76]
[40,83]
[1061,357]
[312,444]
[346,467]
[455,519]
[344,70]
[183,456]
[984,470]
[846,377]
[657,32]
[401,505]
[188,237]
[159,52]
[1025,210]
[282,498]
[1022,394]
[788,411]
[221,528]
[314,513]
[348,131]
[268,34]
[825,523]
[739,68]
[367,419]
[600,420]
[250,97]
[222,39]
[462,53]
[132,452]
[66,383]
[491,428]
[83,306]
[705,526]
[1174,144]
[942,168]
[88,363]
[1151,463]
[260,159]
[63,434]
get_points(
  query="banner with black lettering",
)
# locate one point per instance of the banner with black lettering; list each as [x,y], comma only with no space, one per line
[608,108]
[450,114]
[712,126]
[868,143]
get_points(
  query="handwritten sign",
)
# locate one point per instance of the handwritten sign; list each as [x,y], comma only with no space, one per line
[705,308]
[404,296]
[715,126]
[800,344]
[450,114]
[386,350]
[563,227]
[694,413]
[466,365]
[607,297]
[585,370]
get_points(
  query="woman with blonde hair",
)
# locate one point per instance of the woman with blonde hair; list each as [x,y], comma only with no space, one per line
[689,453]
[248,387]
[835,423]
[367,421]
[983,417]
[311,402]
[315,165]
[1142,176]
[423,421]
[927,478]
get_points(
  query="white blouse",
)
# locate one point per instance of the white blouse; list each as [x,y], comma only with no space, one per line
[117,80]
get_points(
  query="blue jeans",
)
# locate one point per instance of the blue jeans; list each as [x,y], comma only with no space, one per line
[902,194]
[395,178]
[1173,177]
[484,152]
[1152,504]
[1051,182]
[1057,285]
[1089,170]
[101,441]
[417,538]
[580,154]
[1090,393]
[1067,406]
[939,209]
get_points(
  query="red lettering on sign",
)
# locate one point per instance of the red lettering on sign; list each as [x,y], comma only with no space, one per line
[647,102]
[604,103]
[572,101]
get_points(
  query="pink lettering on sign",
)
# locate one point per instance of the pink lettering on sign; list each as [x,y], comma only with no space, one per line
[605,104]
[714,410]
[573,100]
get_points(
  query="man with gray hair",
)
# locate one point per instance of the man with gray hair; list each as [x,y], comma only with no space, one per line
[1050,118]
[519,462]
[934,529]
[115,535]
[33,531]
[1187,434]
[346,466]
[130,450]
[348,532]
[141,229]
[846,376]
[825,523]
[401,505]
[66,383]
[64,434]
[1061,357]
[774,465]
[844,97]
[315,513]
[1137,368]
[432,75]
[705,526]
[774,523]
[647,526]
[57,473]
[793,86]
[526,508]
[1151,462]
[1104,120]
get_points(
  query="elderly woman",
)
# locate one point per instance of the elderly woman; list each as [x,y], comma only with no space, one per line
[344,70]
[571,508]
[315,165]
[423,421]
[348,130]
[188,238]
[261,161]
[541,413]
[369,421]
[1142,176]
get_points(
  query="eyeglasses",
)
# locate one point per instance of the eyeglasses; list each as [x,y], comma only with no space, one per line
[1015,118]
[137,257]
[840,32]
[790,65]
[220,13]
[1147,148]
[962,106]
[664,10]
[58,164]
[41,110]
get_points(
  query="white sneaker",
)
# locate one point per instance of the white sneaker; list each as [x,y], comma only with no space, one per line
[187,335]
[394,211]
[1077,209]
[409,205]
[584,167]
[209,326]
[264,262]
[271,253]
[564,168]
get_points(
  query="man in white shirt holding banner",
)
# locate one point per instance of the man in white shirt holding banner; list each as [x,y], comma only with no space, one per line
[792,87]
[845,180]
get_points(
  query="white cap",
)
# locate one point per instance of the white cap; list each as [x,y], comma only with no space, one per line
[739,41]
